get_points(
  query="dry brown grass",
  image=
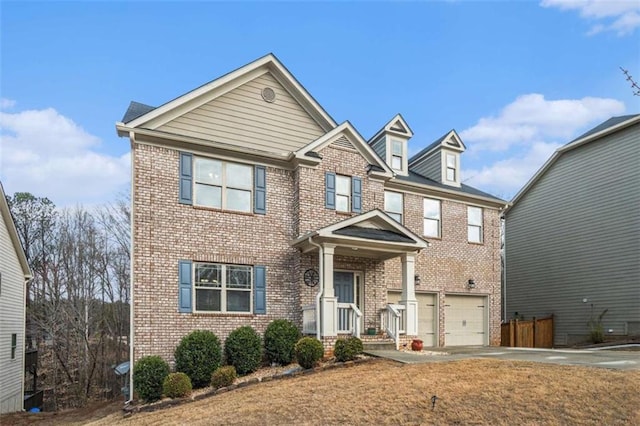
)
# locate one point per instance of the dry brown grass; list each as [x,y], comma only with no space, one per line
[384,392]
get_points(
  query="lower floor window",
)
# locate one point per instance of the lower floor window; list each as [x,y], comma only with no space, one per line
[223,288]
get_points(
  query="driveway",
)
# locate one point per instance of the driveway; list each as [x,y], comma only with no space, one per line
[614,359]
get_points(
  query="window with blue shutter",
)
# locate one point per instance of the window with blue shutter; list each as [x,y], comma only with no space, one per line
[260,290]
[260,190]
[356,194]
[184,286]
[330,190]
[186,178]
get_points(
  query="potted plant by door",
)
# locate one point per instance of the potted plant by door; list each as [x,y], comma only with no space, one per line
[371,328]
[416,345]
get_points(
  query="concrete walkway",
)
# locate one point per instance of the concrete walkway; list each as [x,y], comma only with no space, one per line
[614,359]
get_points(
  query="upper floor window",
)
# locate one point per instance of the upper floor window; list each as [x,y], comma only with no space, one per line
[343,193]
[393,205]
[431,217]
[14,345]
[222,288]
[452,170]
[223,185]
[474,224]
[397,155]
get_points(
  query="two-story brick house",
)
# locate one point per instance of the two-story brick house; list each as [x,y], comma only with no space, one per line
[250,203]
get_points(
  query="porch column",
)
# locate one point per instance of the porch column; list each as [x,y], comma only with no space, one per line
[328,301]
[409,293]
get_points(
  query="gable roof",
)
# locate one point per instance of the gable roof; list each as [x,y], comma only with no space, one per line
[606,128]
[221,85]
[437,143]
[397,125]
[309,152]
[13,234]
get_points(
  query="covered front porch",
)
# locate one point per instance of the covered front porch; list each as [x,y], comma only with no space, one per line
[351,293]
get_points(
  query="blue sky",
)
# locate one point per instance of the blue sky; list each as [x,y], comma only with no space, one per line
[516,80]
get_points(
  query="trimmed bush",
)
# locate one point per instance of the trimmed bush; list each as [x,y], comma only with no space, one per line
[347,349]
[148,376]
[280,339]
[176,385]
[223,377]
[308,351]
[198,355]
[243,350]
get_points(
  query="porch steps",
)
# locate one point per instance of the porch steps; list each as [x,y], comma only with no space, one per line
[379,345]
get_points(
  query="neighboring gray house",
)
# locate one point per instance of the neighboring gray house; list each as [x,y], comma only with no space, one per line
[572,246]
[14,271]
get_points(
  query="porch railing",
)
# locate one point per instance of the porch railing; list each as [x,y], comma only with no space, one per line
[349,319]
[309,325]
[393,320]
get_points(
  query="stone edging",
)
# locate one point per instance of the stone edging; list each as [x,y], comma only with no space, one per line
[129,410]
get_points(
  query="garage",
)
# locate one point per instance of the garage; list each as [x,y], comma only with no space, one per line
[427,303]
[465,319]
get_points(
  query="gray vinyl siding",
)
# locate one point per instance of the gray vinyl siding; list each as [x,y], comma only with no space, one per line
[11,321]
[576,235]
[243,118]
[380,147]
[430,167]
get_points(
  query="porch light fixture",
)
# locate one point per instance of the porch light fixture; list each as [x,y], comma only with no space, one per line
[416,280]
[471,284]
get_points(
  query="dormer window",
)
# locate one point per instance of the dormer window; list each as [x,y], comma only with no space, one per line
[397,155]
[452,170]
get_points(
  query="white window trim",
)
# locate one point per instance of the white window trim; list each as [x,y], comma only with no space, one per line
[390,212]
[403,160]
[223,289]
[456,156]
[348,195]
[481,226]
[223,185]
[425,218]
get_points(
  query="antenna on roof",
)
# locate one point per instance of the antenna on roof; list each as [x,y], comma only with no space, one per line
[634,85]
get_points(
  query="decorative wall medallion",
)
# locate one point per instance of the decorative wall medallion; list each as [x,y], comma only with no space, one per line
[311,277]
[268,94]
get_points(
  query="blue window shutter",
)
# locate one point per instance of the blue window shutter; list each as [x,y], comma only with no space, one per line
[184,295]
[260,290]
[356,194]
[186,178]
[260,190]
[330,190]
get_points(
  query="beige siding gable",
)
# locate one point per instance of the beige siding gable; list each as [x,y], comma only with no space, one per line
[242,117]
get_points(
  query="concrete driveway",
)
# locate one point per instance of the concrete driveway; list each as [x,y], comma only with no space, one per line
[614,359]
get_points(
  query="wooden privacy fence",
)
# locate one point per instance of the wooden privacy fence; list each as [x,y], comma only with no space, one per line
[537,333]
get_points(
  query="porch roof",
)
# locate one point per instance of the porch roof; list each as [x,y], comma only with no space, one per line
[372,234]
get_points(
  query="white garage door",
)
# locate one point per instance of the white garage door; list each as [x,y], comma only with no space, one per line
[426,315]
[464,320]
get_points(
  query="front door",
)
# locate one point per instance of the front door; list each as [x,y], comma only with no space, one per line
[343,287]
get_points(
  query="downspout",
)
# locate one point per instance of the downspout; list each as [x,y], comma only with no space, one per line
[132,137]
[321,289]
[25,289]
[503,253]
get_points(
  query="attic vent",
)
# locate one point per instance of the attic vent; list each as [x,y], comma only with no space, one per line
[343,142]
[268,94]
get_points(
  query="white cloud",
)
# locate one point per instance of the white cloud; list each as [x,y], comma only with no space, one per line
[619,16]
[7,103]
[531,117]
[47,154]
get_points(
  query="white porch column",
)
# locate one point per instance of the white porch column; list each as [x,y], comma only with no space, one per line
[409,293]
[328,301]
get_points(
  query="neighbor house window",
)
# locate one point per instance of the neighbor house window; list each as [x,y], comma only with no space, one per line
[396,155]
[431,217]
[343,193]
[14,345]
[474,224]
[223,185]
[451,167]
[393,205]
[222,288]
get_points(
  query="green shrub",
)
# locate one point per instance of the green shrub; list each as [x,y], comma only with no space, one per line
[148,375]
[280,339]
[308,351]
[176,385]
[198,355]
[347,349]
[223,377]
[243,350]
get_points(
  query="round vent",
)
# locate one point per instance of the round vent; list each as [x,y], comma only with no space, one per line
[268,94]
